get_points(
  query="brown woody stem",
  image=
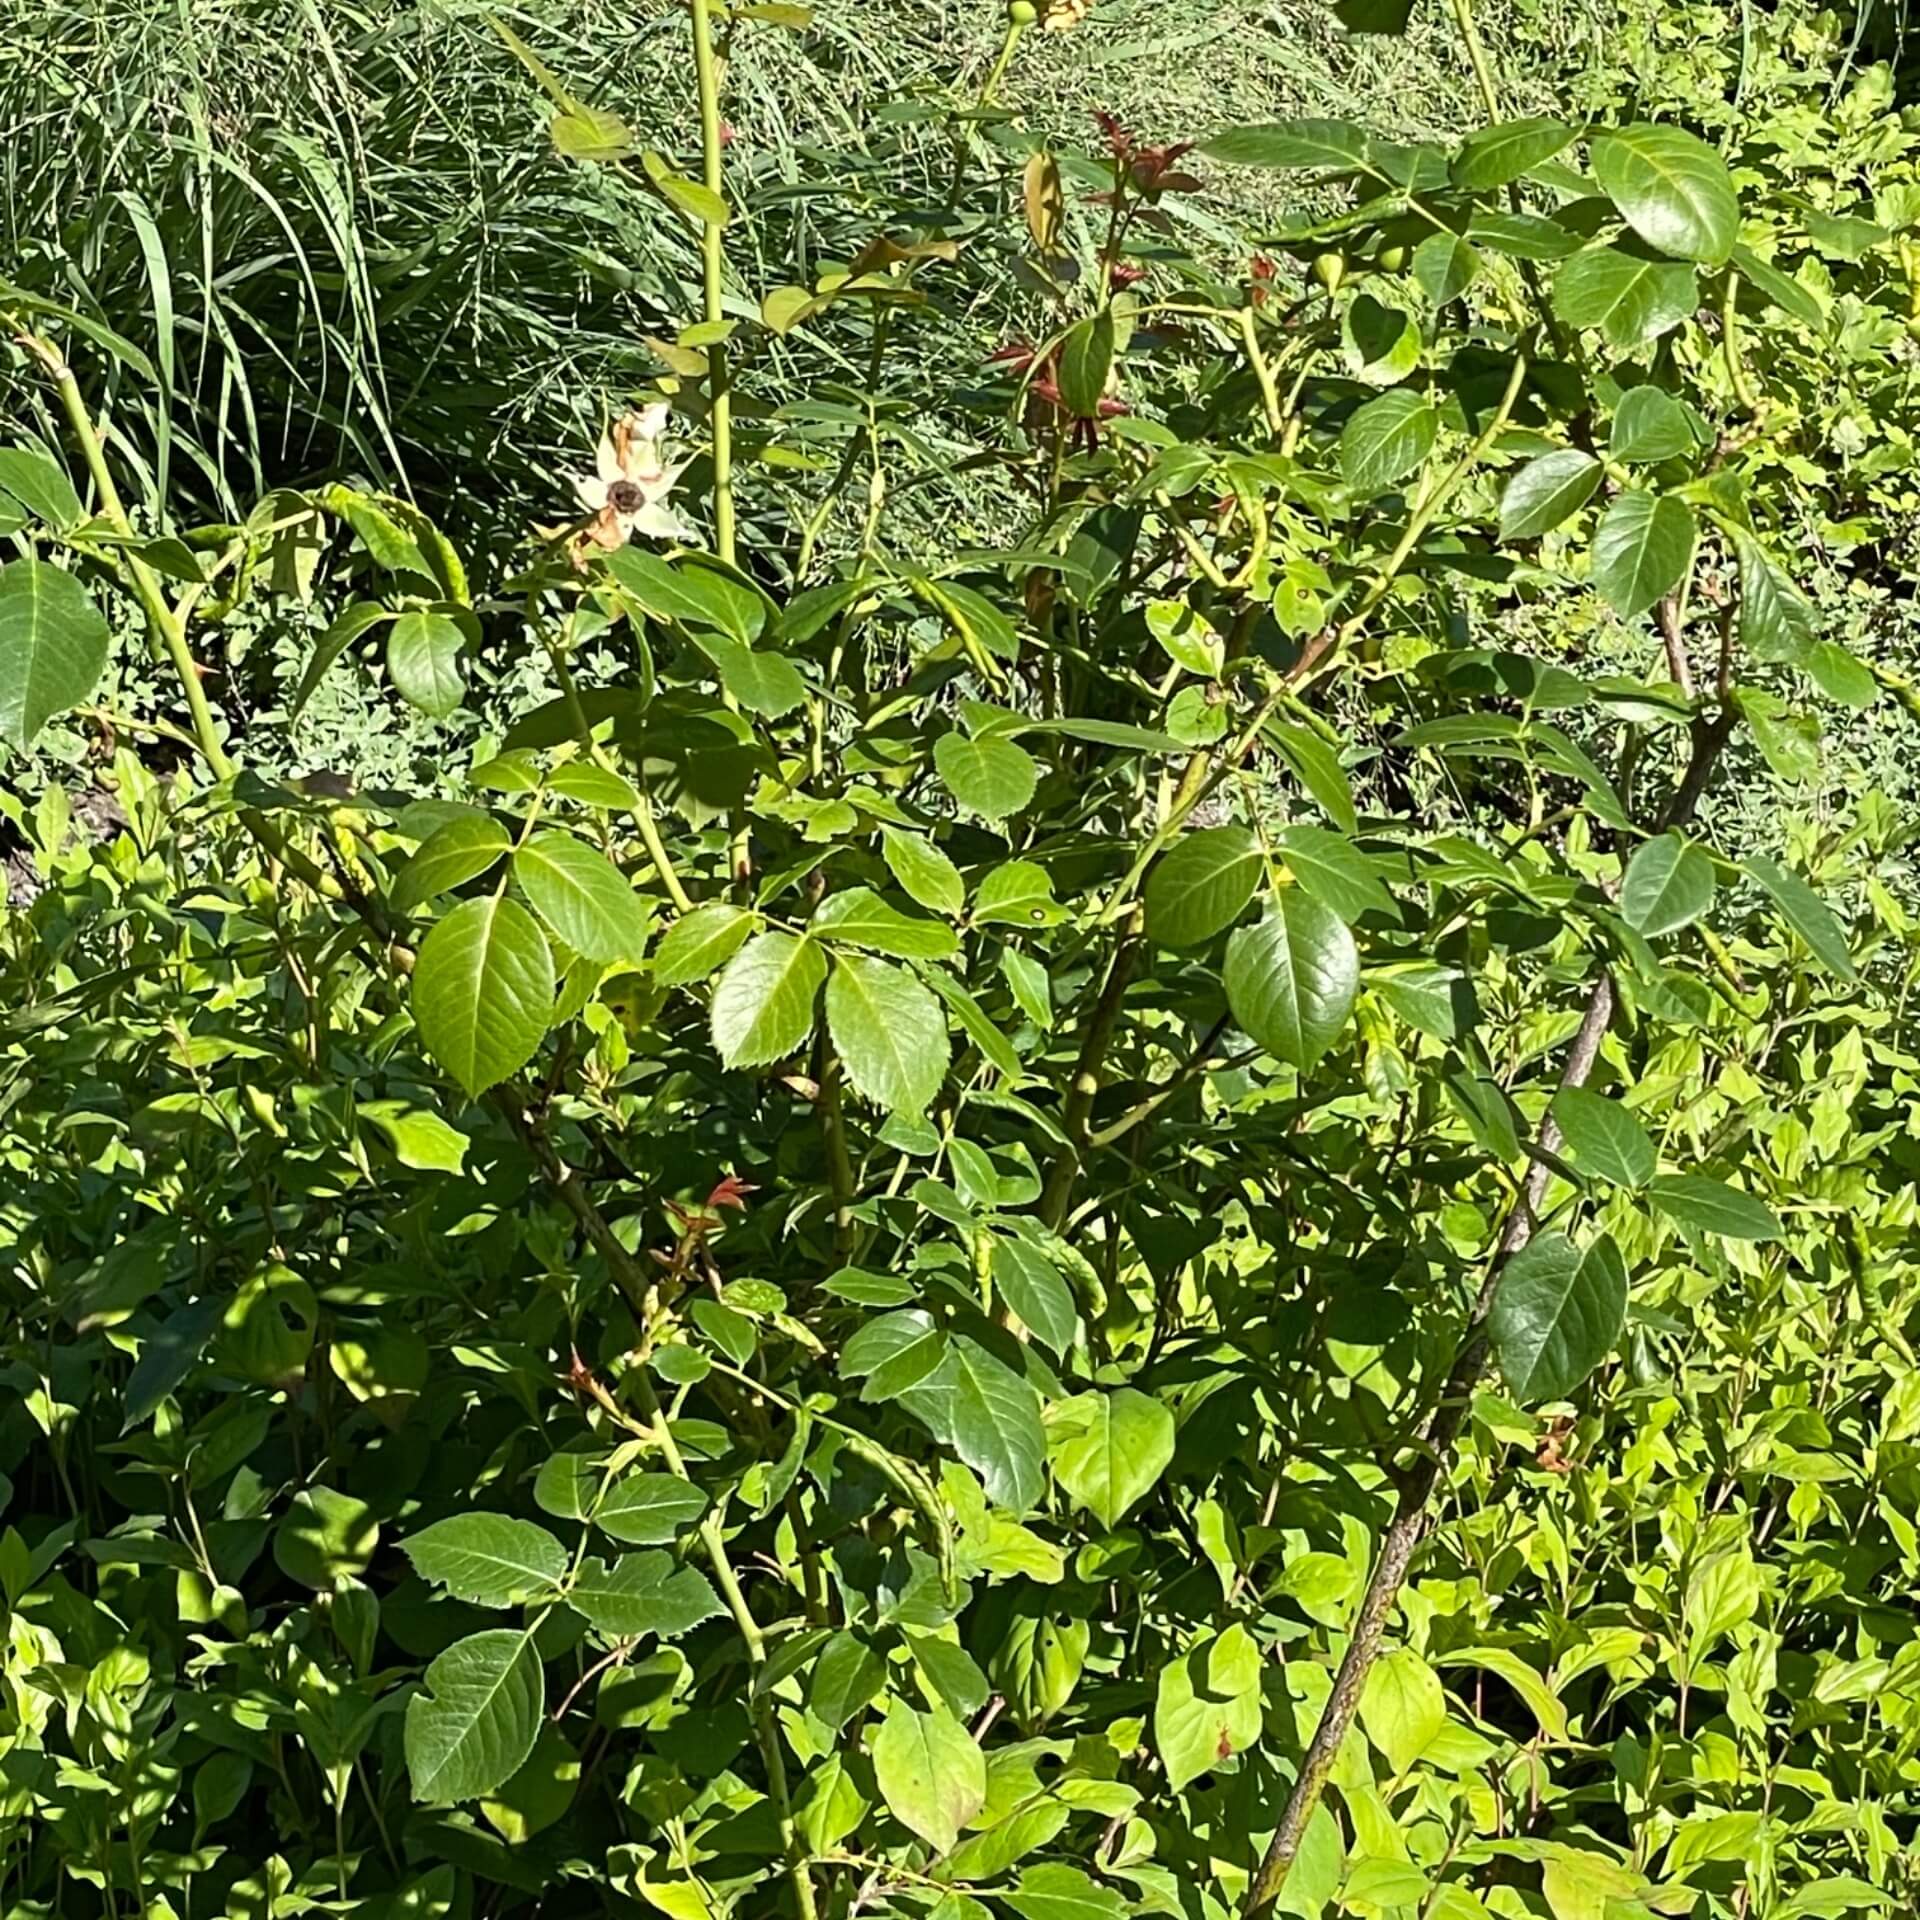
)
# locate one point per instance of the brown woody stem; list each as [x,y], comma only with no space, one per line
[1442,1430]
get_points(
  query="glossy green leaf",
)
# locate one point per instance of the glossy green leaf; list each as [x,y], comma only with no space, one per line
[1086,359]
[889,1031]
[483,990]
[1650,424]
[423,658]
[583,897]
[1031,1285]
[40,488]
[1641,550]
[1668,885]
[1550,488]
[1201,885]
[53,647]
[1711,1206]
[1207,1706]
[469,1731]
[992,776]
[461,850]
[1671,188]
[1109,1449]
[1291,979]
[1776,622]
[1496,155]
[699,943]
[490,1559]
[858,917]
[925,874]
[990,1417]
[1603,1137]
[764,1002]
[1186,637]
[1385,440]
[642,1593]
[1805,912]
[1557,1313]
[1056,1891]
[930,1771]
[1630,299]
[648,1509]
[1445,265]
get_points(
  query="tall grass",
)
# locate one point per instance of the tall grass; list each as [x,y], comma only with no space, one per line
[338,238]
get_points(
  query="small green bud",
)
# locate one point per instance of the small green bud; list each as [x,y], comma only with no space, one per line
[1330,269]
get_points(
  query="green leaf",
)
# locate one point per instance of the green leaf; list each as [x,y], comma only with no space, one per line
[995,1048]
[768,684]
[1604,1138]
[1668,885]
[1711,1206]
[1201,884]
[419,1139]
[1017,893]
[893,1353]
[1316,766]
[423,657]
[931,1773]
[1779,289]
[461,850]
[475,1724]
[763,1006]
[1547,490]
[1671,188]
[325,1538]
[1444,267]
[1805,912]
[1333,870]
[1291,979]
[590,134]
[583,897]
[1496,155]
[1386,440]
[1056,1891]
[1109,1449]
[1186,637]
[649,1509]
[700,942]
[889,1032]
[1403,1708]
[1557,1313]
[1840,676]
[693,596]
[1086,359]
[990,1417]
[1641,550]
[1031,1285]
[1650,424]
[1777,624]
[642,1593]
[1380,344]
[1027,980]
[991,776]
[483,990]
[847,1678]
[925,874]
[53,647]
[858,917]
[1207,1706]
[40,488]
[489,1559]
[1294,144]
[1630,299]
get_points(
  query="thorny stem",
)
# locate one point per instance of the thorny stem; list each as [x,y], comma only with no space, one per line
[1442,1428]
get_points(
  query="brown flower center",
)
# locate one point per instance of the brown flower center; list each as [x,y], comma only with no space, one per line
[624,497]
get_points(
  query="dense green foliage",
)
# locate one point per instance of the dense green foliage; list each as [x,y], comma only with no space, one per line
[1109,1112]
